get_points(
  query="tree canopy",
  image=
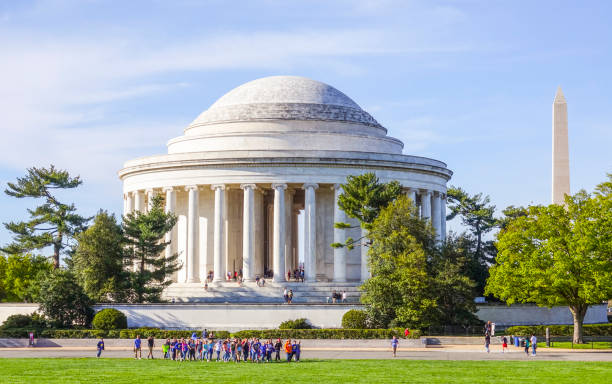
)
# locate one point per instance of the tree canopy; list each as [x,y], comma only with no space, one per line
[413,282]
[362,198]
[51,224]
[558,255]
[477,215]
[98,260]
[20,276]
[63,301]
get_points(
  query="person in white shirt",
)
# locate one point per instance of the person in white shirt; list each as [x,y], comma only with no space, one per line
[344,296]
[534,342]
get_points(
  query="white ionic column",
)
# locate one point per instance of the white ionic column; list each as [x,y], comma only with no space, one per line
[289,194]
[310,232]
[278,241]
[248,232]
[412,196]
[435,215]
[129,203]
[339,237]
[443,217]
[192,233]
[170,207]
[426,204]
[150,195]
[139,201]
[365,271]
[218,262]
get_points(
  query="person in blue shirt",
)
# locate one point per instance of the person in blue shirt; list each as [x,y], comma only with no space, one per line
[294,349]
[261,355]
[174,348]
[218,348]
[394,344]
[100,347]
[137,349]
[269,350]
[211,346]
[297,350]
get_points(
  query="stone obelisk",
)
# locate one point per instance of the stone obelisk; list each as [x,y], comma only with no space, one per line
[560,150]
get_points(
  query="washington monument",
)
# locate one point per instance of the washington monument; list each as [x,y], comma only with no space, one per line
[560,150]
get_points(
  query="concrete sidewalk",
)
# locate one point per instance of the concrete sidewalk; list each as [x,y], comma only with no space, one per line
[450,352]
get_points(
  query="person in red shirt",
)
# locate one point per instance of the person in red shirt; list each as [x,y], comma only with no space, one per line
[406,332]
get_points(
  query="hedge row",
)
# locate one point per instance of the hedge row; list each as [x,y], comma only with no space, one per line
[326,333]
[561,330]
[109,334]
[170,334]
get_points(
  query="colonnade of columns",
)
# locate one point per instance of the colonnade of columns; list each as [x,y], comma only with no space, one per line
[432,206]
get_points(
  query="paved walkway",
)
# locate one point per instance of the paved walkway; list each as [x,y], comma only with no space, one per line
[451,352]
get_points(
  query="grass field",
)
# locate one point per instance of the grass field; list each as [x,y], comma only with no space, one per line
[90,370]
[568,345]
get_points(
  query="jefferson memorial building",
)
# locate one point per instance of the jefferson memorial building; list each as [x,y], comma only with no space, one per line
[264,153]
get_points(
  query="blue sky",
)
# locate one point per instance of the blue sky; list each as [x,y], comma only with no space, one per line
[87,85]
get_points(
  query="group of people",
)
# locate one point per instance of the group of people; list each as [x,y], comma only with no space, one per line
[210,349]
[490,331]
[338,297]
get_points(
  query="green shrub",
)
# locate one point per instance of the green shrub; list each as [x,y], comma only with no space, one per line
[326,333]
[34,321]
[295,324]
[560,330]
[109,318]
[354,319]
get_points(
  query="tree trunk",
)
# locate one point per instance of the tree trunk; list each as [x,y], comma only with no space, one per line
[578,313]
[56,254]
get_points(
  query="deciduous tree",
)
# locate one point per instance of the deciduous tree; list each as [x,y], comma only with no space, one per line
[558,255]
[98,260]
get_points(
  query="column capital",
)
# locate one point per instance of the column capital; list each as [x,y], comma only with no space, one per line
[337,186]
[246,186]
[168,189]
[218,186]
[149,190]
[310,185]
[426,192]
[281,186]
[191,187]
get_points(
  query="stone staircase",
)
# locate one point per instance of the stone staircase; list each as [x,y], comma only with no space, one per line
[303,293]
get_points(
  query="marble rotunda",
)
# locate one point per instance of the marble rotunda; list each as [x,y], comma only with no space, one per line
[262,154]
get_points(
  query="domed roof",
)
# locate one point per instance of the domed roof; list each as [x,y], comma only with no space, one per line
[285,89]
[284,98]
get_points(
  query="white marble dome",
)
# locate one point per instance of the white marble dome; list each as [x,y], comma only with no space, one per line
[285,112]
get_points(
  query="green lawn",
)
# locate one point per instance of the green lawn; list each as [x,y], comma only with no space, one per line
[90,370]
[568,345]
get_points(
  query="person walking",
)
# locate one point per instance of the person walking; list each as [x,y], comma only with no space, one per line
[166,349]
[286,295]
[344,296]
[394,344]
[100,347]
[534,343]
[277,348]
[288,350]
[290,296]
[150,344]
[487,342]
[527,346]
[137,347]
[504,344]
[297,350]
